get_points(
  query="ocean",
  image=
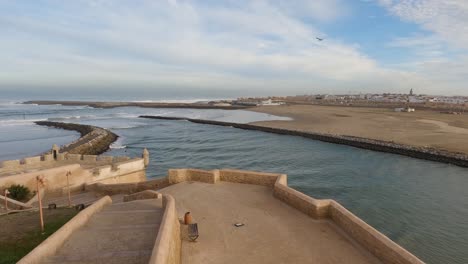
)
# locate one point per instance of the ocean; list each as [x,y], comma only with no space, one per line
[421,205]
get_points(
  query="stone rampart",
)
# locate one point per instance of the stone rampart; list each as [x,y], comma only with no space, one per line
[241,176]
[372,240]
[317,209]
[143,195]
[176,176]
[132,170]
[167,248]
[32,160]
[431,154]
[128,188]
[10,164]
[54,177]
[47,160]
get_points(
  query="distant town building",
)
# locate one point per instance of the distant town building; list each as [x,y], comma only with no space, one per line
[405,109]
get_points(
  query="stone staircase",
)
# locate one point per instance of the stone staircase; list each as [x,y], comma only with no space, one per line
[120,233]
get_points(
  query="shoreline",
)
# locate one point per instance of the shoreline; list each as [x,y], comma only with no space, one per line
[98,104]
[430,154]
[425,129]
[93,140]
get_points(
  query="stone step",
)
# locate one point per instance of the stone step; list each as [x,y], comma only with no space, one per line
[135,205]
[110,257]
[131,217]
[120,233]
[93,241]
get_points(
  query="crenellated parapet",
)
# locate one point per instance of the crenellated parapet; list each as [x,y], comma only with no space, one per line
[83,168]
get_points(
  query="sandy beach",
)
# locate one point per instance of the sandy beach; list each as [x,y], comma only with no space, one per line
[421,128]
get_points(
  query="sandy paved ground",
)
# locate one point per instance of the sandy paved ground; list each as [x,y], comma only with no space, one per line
[273,232]
[421,128]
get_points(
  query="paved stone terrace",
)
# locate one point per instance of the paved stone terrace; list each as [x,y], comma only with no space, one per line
[120,233]
[273,233]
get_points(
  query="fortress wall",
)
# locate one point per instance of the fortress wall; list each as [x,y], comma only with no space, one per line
[10,164]
[25,163]
[61,156]
[122,172]
[48,158]
[90,158]
[248,177]
[137,176]
[32,160]
[180,175]
[371,239]
[177,175]
[236,176]
[108,159]
[167,248]
[121,158]
[201,176]
[55,177]
[76,157]
[127,188]
[143,195]
[317,209]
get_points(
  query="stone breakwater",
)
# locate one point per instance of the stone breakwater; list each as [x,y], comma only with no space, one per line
[431,154]
[93,140]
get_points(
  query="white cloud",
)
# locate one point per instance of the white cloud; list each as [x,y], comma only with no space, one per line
[446,18]
[257,46]
[440,54]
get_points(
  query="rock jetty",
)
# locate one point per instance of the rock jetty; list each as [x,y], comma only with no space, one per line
[459,159]
[93,140]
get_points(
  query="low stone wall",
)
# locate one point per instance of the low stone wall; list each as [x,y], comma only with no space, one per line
[249,177]
[143,195]
[128,188]
[167,248]
[132,170]
[50,246]
[55,177]
[47,160]
[182,175]
[368,237]
[93,140]
[431,154]
[315,208]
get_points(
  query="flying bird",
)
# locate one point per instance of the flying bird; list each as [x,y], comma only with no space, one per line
[319,39]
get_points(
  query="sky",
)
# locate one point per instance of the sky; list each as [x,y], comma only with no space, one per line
[214,48]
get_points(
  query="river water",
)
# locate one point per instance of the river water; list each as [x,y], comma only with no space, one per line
[421,205]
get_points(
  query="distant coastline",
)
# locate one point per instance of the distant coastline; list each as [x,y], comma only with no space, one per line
[431,154]
[98,104]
